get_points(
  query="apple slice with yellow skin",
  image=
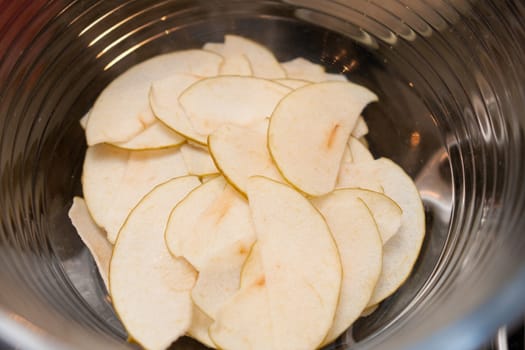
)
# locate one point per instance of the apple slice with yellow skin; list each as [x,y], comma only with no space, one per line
[165,104]
[360,247]
[360,128]
[241,152]
[230,100]
[149,288]
[359,152]
[93,237]
[292,304]
[210,218]
[263,62]
[236,65]
[198,160]
[219,278]
[200,324]
[292,83]
[301,68]
[114,180]
[155,136]
[309,129]
[122,110]
[400,251]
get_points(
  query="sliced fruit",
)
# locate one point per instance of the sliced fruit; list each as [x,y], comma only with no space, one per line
[230,100]
[200,324]
[351,176]
[164,101]
[360,128]
[83,121]
[219,278]
[150,289]
[369,310]
[253,267]
[334,77]
[155,136]
[360,247]
[292,83]
[401,251]
[302,69]
[292,304]
[262,60]
[309,129]
[359,152]
[241,152]
[217,48]
[93,236]
[210,218]
[122,110]
[236,65]
[114,180]
[198,161]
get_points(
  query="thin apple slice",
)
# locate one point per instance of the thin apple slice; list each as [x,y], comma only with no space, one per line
[359,152]
[114,180]
[230,100]
[335,77]
[360,247]
[292,304]
[165,104]
[217,48]
[149,288]
[292,83]
[351,176]
[155,136]
[219,278]
[93,237]
[198,161]
[83,121]
[360,128]
[122,110]
[241,152]
[252,268]
[210,218]
[301,68]
[262,60]
[369,310]
[236,65]
[200,324]
[401,251]
[309,129]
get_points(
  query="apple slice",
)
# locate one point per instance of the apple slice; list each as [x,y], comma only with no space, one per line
[122,110]
[252,268]
[92,236]
[83,121]
[301,68]
[217,48]
[292,83]
[359,152]
[360,247]
[262,60]
[360,128]
[219,278]
[230,100]
[210,218]
[369,310]
[114,180]
[149,288]
[351,175]
[401,251]
[200,324]
[164,101]
[241,152]
[236,65]
[154,136]
[335,77]
[292,304]
[309,129]
[198,161]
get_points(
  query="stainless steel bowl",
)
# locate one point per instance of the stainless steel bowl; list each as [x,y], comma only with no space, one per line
[451,82]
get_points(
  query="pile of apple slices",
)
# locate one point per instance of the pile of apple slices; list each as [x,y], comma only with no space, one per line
[229,197]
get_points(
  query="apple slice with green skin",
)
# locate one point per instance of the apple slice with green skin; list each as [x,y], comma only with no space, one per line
[114,180]
[93,237]
[241,152]
[198,161]
[309,129]
[230,100]
[359,152]
[401,251]
[210,218]
[292,304]
[301,68]
[122,110]
[219,278]
[149,288]
[200,324]
[164,101]
[360,247]
[236,65]
[360,128]
[292,83]
[262,60]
